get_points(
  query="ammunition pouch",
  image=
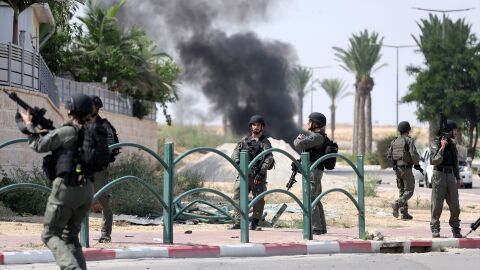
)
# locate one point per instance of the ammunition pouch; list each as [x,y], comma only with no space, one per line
[48,166]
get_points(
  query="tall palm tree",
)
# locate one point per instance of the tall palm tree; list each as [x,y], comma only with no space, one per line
[300,85]
[360,58]
[336,90]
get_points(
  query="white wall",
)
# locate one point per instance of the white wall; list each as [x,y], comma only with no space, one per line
[25,22]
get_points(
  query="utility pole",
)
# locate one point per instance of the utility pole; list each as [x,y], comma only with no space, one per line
[311,90]
[443,11]
[397,47]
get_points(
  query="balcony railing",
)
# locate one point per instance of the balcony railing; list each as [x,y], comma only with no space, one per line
[27,70]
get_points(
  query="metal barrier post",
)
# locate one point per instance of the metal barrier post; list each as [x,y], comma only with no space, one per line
[361,197]
[168,195]
[84,234]
[244,238]
[307,200]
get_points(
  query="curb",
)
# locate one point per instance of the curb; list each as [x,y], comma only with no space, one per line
[248,250]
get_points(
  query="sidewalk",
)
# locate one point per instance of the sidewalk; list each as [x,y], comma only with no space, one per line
[22,249]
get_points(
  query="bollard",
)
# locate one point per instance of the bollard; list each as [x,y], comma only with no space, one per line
[244,237]
[307,200]
[168,195]
[361,197]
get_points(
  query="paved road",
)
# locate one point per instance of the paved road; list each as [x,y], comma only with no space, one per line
[452,259]
[388,179]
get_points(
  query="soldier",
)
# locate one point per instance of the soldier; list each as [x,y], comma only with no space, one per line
[404,155]
[71,195]
[254,144]
[314,143]
[445,180]
[101,178]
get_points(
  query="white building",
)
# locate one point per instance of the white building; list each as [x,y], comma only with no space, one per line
[35,25]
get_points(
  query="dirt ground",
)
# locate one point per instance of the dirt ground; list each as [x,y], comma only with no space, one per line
[339,211]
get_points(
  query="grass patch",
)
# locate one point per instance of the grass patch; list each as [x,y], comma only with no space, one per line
[289,224]
[5,213]
[370,188]
[31,245]
[186,136]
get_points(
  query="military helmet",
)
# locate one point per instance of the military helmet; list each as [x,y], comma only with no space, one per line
[97,101]
[79,103]
[256,119]
[318,118]
[403,126]
[451,125]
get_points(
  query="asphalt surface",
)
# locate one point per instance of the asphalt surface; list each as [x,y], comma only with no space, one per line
[451,259]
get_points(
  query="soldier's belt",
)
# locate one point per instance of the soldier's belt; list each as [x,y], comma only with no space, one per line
[443,169]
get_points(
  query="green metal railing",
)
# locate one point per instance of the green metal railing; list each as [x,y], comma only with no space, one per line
[170,214]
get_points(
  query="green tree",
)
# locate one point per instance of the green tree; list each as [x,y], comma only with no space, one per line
[300,82]
[449,79]
[360,58]
[57,52]
[336,90]
[127,60]
[18,7]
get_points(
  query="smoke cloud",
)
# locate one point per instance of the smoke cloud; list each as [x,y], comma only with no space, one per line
[239,73]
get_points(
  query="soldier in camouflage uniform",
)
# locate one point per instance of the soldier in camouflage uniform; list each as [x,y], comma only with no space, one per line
[445,181]
[312,143]
[404,155]
[254,144]
[101,178]
[70,199]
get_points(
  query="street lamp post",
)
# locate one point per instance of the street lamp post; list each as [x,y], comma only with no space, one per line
[443,11]
[311,90]
[397,47]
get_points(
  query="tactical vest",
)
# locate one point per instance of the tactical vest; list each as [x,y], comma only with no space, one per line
[448,155]
[62,161]
[401,150]
[253,147]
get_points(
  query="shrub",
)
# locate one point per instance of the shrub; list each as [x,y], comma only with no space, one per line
[372,181]
[130,197]
[381,152]
[187,180]
[29,200]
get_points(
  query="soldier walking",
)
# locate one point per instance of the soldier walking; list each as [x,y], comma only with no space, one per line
[404,155]
[254,144]
[315,144]
[445,180]
[101,178]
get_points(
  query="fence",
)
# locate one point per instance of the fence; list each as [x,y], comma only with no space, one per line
[168,202]
[27,70]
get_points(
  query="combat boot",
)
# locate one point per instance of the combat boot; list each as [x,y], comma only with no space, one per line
[254,225]
[319,231]
[435,233]
[235,226]
[406,216]
[105,239]
[395,208]
[456,233]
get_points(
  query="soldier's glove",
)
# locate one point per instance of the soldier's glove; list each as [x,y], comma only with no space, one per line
[258,178]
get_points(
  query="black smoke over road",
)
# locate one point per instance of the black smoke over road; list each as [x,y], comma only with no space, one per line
[238,72]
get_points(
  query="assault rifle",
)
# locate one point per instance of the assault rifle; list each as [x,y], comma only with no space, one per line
[474,226]
[443,130]
[38,114]
[292,180]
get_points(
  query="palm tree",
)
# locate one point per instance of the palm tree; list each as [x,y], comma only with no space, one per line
[18,6]
[336,90]
[300,85]
[360,58]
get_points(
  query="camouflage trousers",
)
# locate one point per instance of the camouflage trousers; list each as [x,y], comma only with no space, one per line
[318,215]
[444,188]
[64,213]
[256,189]
[101,179]
[406,187]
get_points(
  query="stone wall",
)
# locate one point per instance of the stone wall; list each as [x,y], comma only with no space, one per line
[130,129]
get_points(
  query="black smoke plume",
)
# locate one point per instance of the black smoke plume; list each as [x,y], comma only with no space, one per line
[239,73]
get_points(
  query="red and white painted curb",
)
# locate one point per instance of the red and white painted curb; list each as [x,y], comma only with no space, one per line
[246,250]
